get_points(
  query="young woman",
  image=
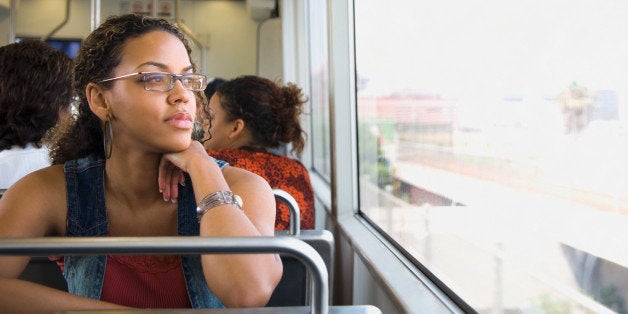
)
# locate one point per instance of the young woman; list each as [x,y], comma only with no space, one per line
[249,117]
[112,175]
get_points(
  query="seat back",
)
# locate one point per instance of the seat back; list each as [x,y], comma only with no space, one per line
[293,289]
[285,245]
[43,271]
[293,206]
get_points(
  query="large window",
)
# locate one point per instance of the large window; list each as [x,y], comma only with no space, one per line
[493,146]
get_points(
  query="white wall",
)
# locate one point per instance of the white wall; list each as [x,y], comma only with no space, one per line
[228,32]
[270,50]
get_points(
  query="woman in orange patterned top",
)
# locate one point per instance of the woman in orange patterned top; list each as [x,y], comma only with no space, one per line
[249,117]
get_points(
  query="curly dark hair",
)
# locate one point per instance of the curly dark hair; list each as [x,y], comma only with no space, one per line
[98,56]
[35,88]
[270,110]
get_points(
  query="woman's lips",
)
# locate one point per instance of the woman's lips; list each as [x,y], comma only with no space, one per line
[181,120]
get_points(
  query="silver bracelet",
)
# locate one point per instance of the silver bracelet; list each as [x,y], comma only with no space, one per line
[217,198]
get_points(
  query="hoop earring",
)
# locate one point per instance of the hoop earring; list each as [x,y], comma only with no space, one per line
[108,148]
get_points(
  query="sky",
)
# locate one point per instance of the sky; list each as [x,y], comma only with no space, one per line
[492,48]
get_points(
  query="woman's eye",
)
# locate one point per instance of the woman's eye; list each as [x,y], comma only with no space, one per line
[154,78]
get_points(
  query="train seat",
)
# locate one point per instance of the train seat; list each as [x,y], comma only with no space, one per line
[293,289]
[341,309]
[285,245]
[45,272]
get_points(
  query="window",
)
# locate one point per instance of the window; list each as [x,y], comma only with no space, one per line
[319,78]
[69,46]
[492,146]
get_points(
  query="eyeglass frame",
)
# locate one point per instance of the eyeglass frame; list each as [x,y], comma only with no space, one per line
[174,78]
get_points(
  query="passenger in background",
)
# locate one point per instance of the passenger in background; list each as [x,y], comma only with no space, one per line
[210,90]
[35,92]
[250,116]
[113,173]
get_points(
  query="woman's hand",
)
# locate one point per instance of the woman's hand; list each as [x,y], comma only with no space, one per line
[169,177]
[173,165]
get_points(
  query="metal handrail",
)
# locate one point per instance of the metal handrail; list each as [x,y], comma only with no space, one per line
[44,246]
[293,206]
[66,18]
[12,17]
[95,14]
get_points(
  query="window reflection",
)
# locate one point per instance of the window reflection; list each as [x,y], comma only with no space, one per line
[492,141]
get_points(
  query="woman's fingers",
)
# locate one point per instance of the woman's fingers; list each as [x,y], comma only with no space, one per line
[168,174]
[172,167]
[175,178]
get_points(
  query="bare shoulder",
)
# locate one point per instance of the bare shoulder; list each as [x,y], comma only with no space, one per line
[238,176]
[35,205]
[258,198]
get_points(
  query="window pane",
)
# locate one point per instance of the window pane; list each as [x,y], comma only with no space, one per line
[319,99]
[493,144]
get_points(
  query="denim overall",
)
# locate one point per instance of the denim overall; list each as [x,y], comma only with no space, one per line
[87,217]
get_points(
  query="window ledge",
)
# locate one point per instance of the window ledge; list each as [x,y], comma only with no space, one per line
[407,287]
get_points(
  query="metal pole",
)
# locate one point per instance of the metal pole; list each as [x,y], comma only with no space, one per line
[154,9]
[95,14]
[12,17]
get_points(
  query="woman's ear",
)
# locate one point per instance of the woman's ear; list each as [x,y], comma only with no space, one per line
[237,128]
[97,101]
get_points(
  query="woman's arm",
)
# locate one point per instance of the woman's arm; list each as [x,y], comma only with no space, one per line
[19,296]
[248,280]
[238,280]
[35,206]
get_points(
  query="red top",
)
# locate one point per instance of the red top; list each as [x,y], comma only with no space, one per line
[145,282]
[281,172]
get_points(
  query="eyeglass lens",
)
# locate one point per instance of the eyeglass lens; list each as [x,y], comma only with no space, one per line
[165,82]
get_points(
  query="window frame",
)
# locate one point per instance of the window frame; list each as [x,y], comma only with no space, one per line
[337,201]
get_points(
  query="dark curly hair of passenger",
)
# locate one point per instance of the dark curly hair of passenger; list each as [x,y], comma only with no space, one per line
[35,89]
[97,58]
[269,110]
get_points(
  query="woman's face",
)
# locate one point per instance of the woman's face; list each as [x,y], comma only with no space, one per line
[155,121]
[221,127]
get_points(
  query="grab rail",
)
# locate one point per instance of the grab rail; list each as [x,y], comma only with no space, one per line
[314,264]
[66,18]
[293,206]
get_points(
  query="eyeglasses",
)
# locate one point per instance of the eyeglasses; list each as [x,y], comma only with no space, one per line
[163,82]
